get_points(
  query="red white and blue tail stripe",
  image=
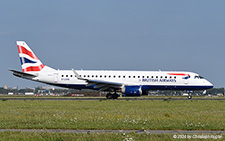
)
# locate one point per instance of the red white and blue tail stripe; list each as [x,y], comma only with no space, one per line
[28,59]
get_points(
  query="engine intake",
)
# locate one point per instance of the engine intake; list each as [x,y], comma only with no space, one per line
[132,90]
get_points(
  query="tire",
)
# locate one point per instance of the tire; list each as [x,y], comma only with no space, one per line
[115,96]
[189,97]
[109,96]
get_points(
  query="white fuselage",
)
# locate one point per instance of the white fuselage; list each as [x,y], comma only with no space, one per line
[147,79]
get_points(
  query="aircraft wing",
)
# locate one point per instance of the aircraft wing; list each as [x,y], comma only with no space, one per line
[99,84]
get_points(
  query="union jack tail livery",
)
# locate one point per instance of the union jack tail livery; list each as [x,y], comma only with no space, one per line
[29,61]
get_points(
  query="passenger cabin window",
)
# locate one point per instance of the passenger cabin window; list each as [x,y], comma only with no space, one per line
[62,76]
[71,75]
[66,75]
[124,76]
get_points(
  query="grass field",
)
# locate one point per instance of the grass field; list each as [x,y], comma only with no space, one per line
[25,136]
[113,114]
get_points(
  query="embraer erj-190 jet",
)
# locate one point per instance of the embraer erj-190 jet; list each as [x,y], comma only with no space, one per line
[130,83]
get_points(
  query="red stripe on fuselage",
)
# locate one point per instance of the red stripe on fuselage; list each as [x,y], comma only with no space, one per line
[34,68]
[182,74]
[23,50]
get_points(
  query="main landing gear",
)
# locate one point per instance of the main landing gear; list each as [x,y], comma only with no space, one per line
[112,96]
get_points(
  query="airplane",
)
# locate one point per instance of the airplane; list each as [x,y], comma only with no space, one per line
[130,83]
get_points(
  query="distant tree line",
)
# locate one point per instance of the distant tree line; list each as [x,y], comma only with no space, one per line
[213,91]
[67,92]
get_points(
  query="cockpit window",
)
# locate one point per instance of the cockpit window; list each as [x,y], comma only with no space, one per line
[199,77]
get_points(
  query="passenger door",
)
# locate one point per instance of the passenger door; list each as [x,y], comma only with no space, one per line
[55,77]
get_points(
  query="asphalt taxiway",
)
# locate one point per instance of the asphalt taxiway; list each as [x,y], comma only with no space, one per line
[77,99]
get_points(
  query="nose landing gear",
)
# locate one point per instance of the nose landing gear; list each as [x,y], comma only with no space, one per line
[189,95]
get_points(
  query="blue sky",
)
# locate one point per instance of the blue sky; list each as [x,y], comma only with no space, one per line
[115,35]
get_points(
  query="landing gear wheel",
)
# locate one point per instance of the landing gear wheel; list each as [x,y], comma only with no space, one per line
[115,96]
[189,97]
[109,96]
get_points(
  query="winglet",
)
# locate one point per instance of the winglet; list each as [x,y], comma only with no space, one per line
[77,75]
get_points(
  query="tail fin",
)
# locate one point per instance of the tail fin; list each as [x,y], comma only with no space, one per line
[29,61]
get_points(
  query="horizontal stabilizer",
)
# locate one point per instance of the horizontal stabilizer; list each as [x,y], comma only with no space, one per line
[22,74]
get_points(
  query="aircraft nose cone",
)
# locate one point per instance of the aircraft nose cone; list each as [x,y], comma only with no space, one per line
[209,84]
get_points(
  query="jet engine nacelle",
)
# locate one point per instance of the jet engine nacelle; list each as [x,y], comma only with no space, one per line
[132,90]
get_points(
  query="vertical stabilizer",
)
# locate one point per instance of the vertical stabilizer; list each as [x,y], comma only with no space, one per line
[29,61]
